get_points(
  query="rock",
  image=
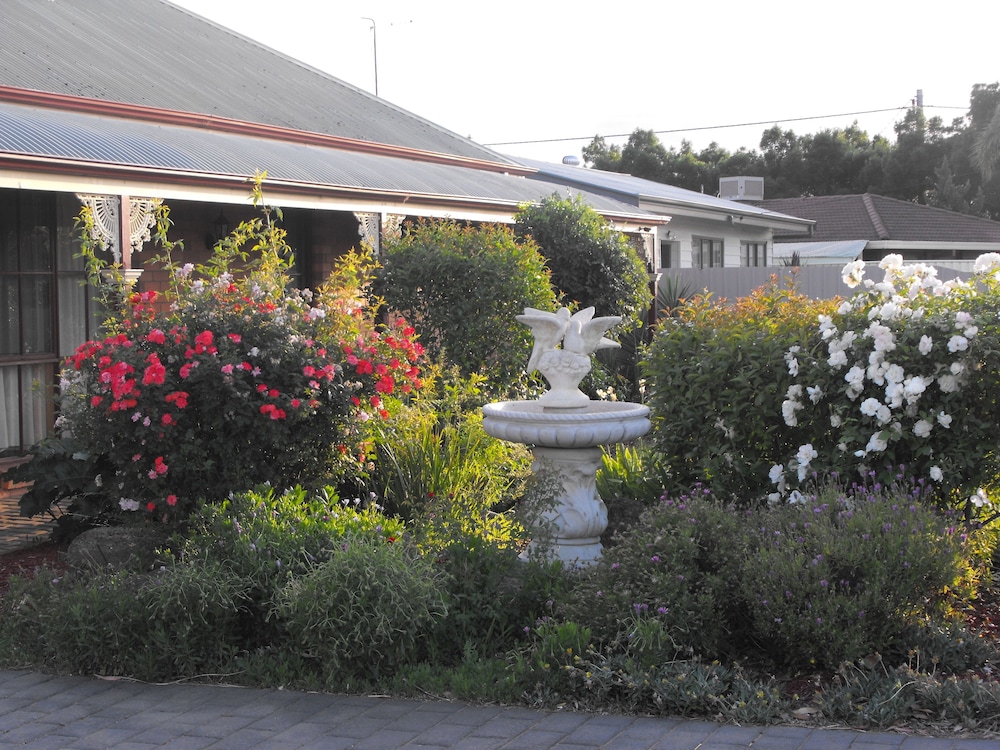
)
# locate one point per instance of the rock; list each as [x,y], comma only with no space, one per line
[110,549]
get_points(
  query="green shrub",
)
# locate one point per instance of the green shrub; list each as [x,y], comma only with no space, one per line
[177,622]
[267,537]
[842,575]
[679,566]
[363,610]
[631,471]
[592,263]
[429,465]
[492,596]
[715,381]
[463,287]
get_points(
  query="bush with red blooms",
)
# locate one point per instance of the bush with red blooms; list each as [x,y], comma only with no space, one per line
[232,380]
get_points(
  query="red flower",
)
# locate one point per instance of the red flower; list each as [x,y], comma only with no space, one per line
[155,373]
[171,500]
[235,338]
[178,399]
[156,336]
[167,418]
[385,384]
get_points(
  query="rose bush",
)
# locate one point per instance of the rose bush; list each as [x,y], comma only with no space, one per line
[902,379]
[233,379]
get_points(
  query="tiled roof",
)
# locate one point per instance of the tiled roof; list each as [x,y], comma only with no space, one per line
[156,54]
[875,217]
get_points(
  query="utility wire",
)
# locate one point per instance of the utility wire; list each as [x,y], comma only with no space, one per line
[719,127]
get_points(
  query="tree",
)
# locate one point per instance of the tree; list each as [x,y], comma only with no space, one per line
[591,262]
[946,193]
[599,155]
[462,287]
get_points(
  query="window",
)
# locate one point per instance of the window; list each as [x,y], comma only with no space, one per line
[753,254]
[706,253]
[47,312]
[669,254]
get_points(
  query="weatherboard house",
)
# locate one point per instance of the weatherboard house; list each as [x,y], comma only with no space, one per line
[117,110]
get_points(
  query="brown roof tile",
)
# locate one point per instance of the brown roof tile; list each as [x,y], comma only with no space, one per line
[875,217]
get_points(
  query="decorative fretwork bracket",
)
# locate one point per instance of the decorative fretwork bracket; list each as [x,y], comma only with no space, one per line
[375,227]
[107,221]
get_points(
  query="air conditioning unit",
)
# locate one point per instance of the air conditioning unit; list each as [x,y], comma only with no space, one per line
[741,188]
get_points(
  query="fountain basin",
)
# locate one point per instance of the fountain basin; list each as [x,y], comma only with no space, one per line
[598,423]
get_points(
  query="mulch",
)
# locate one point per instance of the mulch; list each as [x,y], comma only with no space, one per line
[28,561]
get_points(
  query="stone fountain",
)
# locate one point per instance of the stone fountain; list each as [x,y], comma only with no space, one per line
[566,429]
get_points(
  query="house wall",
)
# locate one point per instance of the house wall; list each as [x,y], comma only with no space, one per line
[815,282]
[683,230]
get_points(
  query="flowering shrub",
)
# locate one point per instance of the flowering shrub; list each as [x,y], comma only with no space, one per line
[901,379]
[232,380]
[676,567]
[715,380]
[844,574]
[841,575]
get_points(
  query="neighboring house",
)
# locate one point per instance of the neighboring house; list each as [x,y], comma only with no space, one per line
[869,227]
[704,231]
[118,105]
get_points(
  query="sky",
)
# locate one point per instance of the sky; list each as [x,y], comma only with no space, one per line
[539,79]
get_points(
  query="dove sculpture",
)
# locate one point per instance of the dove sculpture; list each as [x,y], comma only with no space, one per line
[562,349]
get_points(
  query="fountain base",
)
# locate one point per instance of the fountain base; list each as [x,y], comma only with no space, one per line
[565,444]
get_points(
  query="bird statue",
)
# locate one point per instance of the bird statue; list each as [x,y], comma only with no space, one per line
[548,330]
[585,333]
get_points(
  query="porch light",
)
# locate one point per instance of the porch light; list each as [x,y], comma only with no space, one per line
[220,228]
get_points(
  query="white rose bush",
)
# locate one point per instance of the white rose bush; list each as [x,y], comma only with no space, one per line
[901,384]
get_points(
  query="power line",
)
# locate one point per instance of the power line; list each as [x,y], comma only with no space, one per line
[719,127]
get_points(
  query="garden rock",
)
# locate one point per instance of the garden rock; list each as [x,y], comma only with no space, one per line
[111,549]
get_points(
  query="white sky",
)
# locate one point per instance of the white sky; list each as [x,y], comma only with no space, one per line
[534,70]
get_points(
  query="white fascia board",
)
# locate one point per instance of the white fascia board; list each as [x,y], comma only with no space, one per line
[726,214]
[241,195]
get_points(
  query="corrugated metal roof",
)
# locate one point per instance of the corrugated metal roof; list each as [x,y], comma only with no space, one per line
[88,138]
[633,189]
[834,251]
[153,53]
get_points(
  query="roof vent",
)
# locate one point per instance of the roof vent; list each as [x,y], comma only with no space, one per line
[571,161]
[741,188]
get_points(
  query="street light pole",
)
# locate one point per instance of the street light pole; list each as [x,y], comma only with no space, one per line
[374,50]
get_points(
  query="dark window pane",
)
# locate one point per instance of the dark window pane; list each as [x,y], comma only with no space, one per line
[10,326]
[67,236]
[35,228]
[36,311]
[8,230]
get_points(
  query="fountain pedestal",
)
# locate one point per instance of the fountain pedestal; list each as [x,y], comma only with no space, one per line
[565,444]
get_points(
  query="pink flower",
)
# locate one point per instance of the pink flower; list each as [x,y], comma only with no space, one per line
[227,369]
